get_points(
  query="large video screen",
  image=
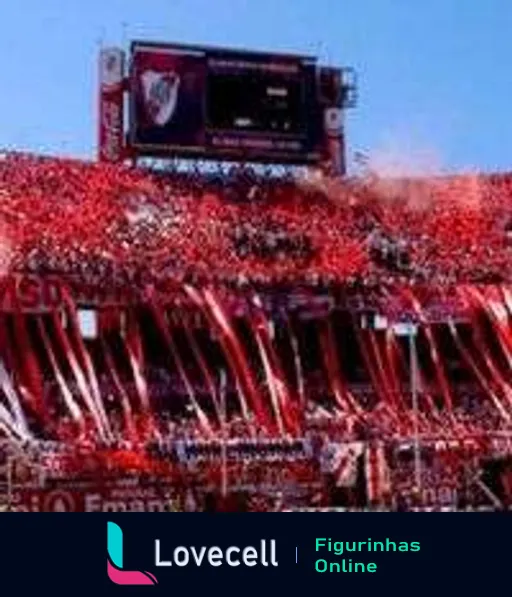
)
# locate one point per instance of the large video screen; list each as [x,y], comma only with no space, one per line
[256,102]
[224,104]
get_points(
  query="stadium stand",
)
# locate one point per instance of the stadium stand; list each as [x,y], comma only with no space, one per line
[99,220]
[194,242]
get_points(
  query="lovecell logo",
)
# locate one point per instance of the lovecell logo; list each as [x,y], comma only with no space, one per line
[115,569]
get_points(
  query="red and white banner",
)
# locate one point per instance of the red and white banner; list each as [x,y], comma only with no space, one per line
[95,499]
[334,140]
[111,112]
[341,461]
[378,483]
[30,293]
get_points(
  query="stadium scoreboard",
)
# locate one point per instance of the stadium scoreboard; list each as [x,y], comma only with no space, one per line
[222,104]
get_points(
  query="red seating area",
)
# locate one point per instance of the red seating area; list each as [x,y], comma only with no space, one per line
[103,221]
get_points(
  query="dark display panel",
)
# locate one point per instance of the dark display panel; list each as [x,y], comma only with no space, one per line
[223,104]
[256,102]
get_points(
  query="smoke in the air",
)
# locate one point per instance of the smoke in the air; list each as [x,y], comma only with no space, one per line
[404,168]
[404,165]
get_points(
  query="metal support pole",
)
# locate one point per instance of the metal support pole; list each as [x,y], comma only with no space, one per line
[223,407]
[414,390]
[9,464]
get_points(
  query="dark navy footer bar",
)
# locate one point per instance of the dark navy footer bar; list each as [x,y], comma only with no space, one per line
[256,554]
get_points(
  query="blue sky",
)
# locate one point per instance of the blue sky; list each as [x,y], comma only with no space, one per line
[435,76]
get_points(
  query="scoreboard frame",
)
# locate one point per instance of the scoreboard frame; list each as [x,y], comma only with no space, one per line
[158,106]
[229,145]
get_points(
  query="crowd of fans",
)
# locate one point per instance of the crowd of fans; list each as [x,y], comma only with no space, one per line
[121,227]
[105,222]
[474,416]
